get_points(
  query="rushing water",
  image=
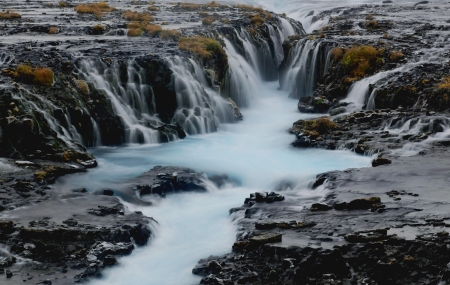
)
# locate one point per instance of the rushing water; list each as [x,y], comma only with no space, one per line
[255,152]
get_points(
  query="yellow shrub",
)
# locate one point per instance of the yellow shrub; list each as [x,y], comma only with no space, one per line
[43,76]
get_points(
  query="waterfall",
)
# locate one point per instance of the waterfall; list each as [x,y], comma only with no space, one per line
[130,101]
[200,108]
[40,106]
[241,76]
[304,68]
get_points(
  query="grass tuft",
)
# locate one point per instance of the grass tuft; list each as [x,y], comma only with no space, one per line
[9,15]
[208,21]
[94,8]
[257,20]
[445,83]
[170,35]
[53,30]
[204,47]
[360,60]
[396,55]
[137,16]
[82,87]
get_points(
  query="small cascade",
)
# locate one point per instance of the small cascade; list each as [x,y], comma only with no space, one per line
[241,77]
[42,109]
[200,108]
[306,63]
[131,101]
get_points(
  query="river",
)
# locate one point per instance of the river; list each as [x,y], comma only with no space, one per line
[255,152]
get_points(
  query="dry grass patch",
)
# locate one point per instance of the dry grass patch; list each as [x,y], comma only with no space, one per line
[337,53]
[249,8]
[257,20]
[208,21]
[98,29]
[204,47]
[372,24]
[170,35]
[63,4]
[153,8]
[39,75]
[10,15]
[190,6]
[94,8]
[445,83]
[138,28]
[360,60]
[82,87]
[396,55]
[137,16]
[135,32]
[53,30]
[153,30]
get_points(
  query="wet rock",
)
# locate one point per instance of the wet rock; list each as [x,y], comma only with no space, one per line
[162,180]
[320,207]
[365,203]
[108,192]
[380,161]
[265,238]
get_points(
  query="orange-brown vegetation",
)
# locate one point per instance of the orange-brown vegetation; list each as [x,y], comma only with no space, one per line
[53,30]
[94,8]
[9,15]
[138,16]
[170,35]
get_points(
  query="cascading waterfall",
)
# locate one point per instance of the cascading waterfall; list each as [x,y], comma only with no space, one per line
[132,102]
[306,63]
[260,61]
[44,108]
[200,108]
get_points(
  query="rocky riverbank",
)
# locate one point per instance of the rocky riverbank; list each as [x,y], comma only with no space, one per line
[384,224]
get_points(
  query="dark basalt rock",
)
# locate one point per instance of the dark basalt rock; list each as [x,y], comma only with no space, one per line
[380,161]
[162,180]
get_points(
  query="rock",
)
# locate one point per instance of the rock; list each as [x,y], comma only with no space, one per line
[380,161]
[108,192]
[6,226]
[361,204]
[265,238]
[109,260]
[320,207]
[9,274]
[249,277]
[211,280]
